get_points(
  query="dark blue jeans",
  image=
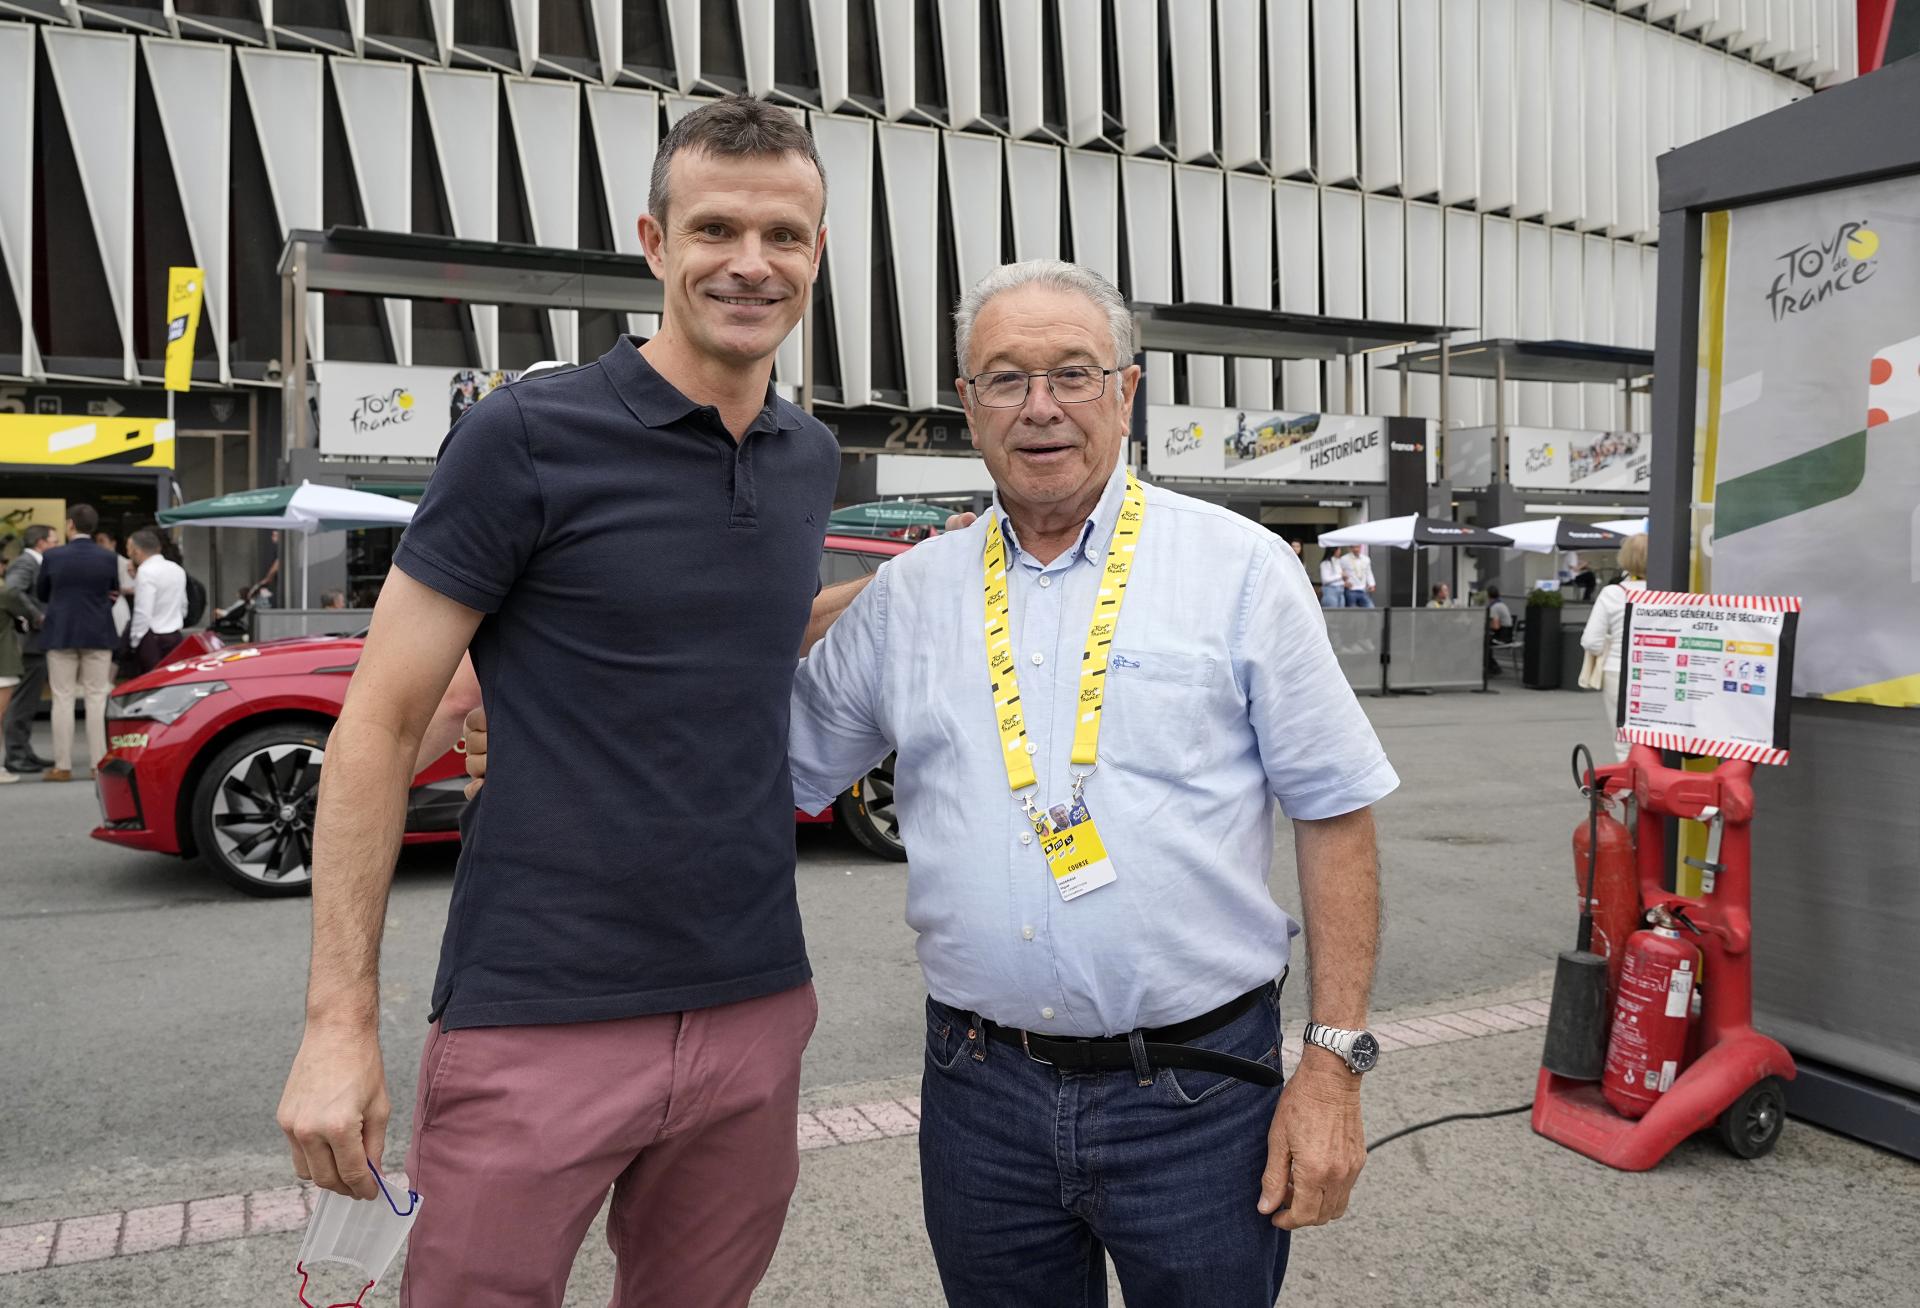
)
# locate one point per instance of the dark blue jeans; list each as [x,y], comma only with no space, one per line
[1029,1175]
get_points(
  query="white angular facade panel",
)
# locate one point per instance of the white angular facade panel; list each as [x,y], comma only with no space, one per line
[1136,28]
[1597,326]
[93,76]
[1420,102]
[1567,58]
[1022,45]
[545,115]
[1598,117]
[1632,213]
[975,166]
[1250,246]
[846,149]
[1190,47]
[1240,108]
[1200,203]
[1426,293]
[1383,226]
[1686,77]
[1461,276]
[960,57]
[1296,220]
[1289,89]
[16,181]
[1629,326]
[1093,211]
[1082,49]
[1532,72]
[463,112]
[910,172]
[625,127]
[1147,204]
[1336,158]
[1657,122]
[1567,319]
[1343,279]
[683,30]
[756,43]
[192,85]
[1460,104]
[830,50]
[894,31]
[1380,158]
[1033,189]
[1534,318]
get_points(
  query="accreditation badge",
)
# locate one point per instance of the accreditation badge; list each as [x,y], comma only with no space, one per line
[1077,857]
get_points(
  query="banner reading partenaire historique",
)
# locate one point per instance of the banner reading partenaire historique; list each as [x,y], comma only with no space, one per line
[1816,465]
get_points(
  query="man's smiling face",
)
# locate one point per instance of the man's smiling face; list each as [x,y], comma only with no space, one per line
[738,251]
[1044,453]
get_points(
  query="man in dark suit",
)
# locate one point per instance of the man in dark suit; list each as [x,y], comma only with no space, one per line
[17,726]
[77,584]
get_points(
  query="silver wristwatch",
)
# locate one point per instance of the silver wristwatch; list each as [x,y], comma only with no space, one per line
[1357,1049]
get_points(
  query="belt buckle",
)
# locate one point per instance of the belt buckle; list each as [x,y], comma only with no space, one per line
[1028,1050]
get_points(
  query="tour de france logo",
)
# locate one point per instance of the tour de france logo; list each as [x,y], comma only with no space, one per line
[1816,271]
[382,409]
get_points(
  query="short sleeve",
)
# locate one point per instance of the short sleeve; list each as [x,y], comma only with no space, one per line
[836,736]
[1320,753]
[483,513]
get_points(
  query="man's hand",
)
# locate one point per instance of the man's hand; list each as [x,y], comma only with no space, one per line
[476,737]
[1316,1147]
[334,1110]
[961,520]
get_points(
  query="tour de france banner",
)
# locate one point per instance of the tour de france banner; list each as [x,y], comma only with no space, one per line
[183,324]
[1809,441]
[1236,444]
[66,440]
[396,411]
[1545,458]
[1708,674]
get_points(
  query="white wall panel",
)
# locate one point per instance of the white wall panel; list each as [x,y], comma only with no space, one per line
[1686,78]
[1629,325]
[1461,275]
[607,36]
[1384,250]
[1022,45]
[1499,298]
[894,33]
[1532,106]
[1190,47]
[830,51]
[1380,166]
[1200,195]
[1568,172]
[192,85]
[683,30]
[374,96]
[1649,293]
[1336,109]
[1033,186]
[1567,319]
[756,43]
[1081,57]
[1780,32]
[545,117]
[1534,318]
[1657,122]
[1633,214]
[1093,210]
[1460,106]
[1289,89]
[463,111]
[1598,209]
[93,76]
[285,94]
[1695,15]
[1147,203]
[1240,110]
[1296,218]
[1800,54]
[1426,294]
[16,181]
[1492,127]
[1596,309]
[1420,106]
[1136,29]
[1713,91]
[910,171]
[1250,243]
[846,148]
[960,56]
[975,166]
[626,135]
[1343,284]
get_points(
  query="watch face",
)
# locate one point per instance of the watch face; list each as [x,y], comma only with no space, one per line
[1366,1051]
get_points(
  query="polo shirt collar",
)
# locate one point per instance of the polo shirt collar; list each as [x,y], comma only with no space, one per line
[1098,529]
[658,403]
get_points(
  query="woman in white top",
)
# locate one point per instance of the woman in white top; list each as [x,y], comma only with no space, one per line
[1332,586]
[1604,625]
[122,602]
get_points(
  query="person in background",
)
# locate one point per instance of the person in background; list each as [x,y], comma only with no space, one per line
[108,538]
[1601,639]
[77,583]
[1583,578]
[1333,588]
[22,575]
[1356,577]
[333,599]
[261,592]
[159,601]
[13,606]
[1441,598]
[1499,627]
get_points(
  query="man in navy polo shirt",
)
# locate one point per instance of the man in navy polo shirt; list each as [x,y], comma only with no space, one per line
[631,551]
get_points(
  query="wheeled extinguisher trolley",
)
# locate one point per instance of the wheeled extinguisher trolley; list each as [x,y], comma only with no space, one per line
[1681,1051]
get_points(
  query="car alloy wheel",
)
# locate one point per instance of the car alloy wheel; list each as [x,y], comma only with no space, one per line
[254,811]
[867,811]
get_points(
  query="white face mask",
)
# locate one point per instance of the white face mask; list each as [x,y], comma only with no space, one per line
[361,1233]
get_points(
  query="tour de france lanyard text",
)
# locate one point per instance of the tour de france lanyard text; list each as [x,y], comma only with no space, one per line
[1073,848]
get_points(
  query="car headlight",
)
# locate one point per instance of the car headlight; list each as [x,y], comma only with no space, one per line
[165,705]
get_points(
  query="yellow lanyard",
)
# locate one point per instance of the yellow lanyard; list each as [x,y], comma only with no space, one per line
[1003,675]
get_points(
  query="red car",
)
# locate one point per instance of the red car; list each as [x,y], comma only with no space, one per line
[218,752]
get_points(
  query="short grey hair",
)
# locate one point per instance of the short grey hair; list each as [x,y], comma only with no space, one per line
[1054,275]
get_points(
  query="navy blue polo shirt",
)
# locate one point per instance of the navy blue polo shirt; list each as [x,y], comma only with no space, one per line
[646,584]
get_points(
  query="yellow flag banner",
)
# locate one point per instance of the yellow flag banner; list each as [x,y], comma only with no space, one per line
[183,323]
[64,440]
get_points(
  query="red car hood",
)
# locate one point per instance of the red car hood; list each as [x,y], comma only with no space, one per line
[292,657]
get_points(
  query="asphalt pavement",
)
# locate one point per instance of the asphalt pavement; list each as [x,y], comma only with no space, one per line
[152,1014]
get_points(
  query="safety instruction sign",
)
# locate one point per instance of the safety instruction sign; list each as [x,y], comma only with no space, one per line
[1708,674]
[65,440]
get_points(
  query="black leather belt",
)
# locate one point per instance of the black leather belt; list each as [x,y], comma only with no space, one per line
[1165,1046]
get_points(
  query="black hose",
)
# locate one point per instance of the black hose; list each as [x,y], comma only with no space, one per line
[1589,786]
[1450,1117]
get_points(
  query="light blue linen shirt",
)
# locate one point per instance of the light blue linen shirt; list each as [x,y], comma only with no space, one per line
[1222,697]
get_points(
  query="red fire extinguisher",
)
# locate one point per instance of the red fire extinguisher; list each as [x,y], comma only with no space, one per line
[1652,1011]
[1616,890]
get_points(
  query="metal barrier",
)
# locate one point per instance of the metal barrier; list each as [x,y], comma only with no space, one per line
[1424,649]
[1357,636]
[278,624]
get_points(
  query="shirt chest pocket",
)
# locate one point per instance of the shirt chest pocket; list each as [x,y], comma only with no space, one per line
[1157,718]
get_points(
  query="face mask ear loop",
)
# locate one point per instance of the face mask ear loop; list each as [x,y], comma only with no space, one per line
[413,1196]
[302,1292]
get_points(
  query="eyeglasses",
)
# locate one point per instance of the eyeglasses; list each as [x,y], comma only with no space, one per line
[1074,384]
